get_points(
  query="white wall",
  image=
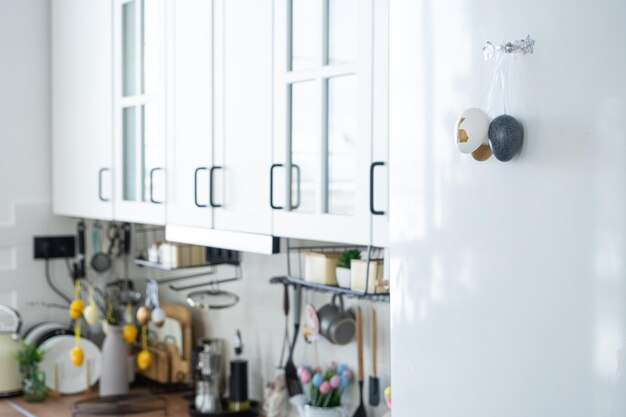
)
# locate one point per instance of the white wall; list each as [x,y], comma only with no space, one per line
[509,279]
[25,193]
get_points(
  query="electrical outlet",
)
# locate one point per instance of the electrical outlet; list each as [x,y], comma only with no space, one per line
[48,247]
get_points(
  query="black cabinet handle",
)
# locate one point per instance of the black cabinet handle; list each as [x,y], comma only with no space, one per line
[152,171]
[272,186]
[100,172]
[297,205]
[195,186]
[372,209]
[211,171]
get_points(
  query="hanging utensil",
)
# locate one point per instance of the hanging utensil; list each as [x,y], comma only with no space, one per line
[101,262]
[360,411]
[286,332]
[374,383]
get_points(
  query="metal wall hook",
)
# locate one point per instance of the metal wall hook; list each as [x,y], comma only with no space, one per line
[521,46]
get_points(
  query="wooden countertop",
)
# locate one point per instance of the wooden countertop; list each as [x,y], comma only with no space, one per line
[61,407]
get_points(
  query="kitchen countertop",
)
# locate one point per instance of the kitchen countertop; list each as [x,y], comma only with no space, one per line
[60,407]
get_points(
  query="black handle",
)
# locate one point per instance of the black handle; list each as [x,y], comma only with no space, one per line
[100,172]
[126,234]
[211,171]
[272,187]
[297,205]
[152,171]
[81,249]
[372,168]
[195,186]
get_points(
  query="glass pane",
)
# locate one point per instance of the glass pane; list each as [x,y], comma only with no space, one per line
[129,150]
[152,45]
[342,143]
[343,27]
[128,49]
[304,125]
[306,30]
[153,151]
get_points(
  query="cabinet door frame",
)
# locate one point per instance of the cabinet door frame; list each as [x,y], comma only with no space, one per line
[82,105]
[124,210]
[190,111]
[319,225]
[229,184]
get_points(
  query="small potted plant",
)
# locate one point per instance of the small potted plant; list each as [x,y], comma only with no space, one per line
[325,390]
[34,382]
[342,271]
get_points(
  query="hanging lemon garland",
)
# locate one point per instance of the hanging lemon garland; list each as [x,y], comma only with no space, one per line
[91,311]
[129,332]
[76,310]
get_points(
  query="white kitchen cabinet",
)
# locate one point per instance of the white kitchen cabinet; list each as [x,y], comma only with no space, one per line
[82,105]
[139,110]
[379,168]
[190,112]
[243,115]
[323,120]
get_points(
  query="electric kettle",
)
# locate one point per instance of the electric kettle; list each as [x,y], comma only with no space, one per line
[10,377]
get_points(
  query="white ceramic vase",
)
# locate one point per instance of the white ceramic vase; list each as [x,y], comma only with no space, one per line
[310,411]
[114,378]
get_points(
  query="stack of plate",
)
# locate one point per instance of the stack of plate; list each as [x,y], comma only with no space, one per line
[57,341]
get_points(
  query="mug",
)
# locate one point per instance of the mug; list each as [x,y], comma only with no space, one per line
[337,324]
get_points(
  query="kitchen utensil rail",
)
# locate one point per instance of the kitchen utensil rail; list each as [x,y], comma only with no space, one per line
[313,286]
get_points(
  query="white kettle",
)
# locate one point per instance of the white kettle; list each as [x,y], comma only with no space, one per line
[10,377]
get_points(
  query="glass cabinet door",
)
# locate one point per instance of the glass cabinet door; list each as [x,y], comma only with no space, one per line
[323,94]
[140,110]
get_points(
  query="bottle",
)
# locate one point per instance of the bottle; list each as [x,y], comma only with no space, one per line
[238,379]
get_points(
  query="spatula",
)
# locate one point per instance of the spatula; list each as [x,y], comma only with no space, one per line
[294,387]
[374,384]
[360,411]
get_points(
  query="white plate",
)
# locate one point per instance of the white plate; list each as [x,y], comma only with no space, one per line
[39,330]
[72,379]
[170,332]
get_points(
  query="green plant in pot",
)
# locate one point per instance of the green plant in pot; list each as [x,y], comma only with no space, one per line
[34,382]
[342,272]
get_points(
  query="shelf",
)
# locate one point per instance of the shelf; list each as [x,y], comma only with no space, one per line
[157,265]
[313,286]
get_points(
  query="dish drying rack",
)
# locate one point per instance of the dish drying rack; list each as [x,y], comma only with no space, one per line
[295,271]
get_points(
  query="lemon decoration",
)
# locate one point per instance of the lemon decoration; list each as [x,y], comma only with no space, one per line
[76,309]
[129,333]
[144,359]
[77,356]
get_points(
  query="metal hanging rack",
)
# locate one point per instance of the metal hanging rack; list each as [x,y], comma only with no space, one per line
[296,277]
[520,46]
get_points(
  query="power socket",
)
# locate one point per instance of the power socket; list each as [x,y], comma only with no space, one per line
[48,247]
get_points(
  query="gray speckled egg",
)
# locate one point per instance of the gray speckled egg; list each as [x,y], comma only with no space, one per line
[506,135]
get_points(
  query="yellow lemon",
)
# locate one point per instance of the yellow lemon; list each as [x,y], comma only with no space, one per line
[77,356]
[129,333]
[144,359]
[76,309]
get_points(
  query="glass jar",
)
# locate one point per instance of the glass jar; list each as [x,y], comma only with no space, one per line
[34,385]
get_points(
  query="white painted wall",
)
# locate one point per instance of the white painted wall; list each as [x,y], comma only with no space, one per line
[509,279]
[25,185]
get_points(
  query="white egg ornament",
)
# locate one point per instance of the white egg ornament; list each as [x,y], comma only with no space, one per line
[471,130]
[91,314]
[158,316]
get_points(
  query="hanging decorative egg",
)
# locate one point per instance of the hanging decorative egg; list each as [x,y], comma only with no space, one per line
[471,130]
[105,327]
[129,333]
[506,135]
[144,359]
[91,314]
[143,315]
[76,309]
[77,356]
[483,152]
[158,316]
